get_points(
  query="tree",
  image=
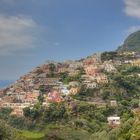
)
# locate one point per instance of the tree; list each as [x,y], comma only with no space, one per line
[34,112]
[108,56]
[52,69]
[63,76]
[135,103]
[105,95]
[41,98]
[8,133]
[55,112]
[26,112]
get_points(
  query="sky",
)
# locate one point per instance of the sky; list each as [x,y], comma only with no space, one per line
[33,31]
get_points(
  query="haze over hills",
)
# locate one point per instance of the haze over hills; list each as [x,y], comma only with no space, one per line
[5,83]
[132,43]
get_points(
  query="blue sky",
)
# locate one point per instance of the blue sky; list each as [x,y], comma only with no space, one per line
[33,31]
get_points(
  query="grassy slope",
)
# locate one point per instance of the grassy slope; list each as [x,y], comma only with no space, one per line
[31,135]
[56,132]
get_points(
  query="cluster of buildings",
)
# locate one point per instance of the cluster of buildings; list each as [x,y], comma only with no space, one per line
[94,71]
[46,79]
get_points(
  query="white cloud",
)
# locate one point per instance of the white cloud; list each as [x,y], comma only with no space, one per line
[16,33]
[132,8]
[133,29]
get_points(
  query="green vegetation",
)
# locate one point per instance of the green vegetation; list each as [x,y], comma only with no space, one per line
[31,135]
[8,133]
[82,116]
[65,78]
[132,43]
[109,56]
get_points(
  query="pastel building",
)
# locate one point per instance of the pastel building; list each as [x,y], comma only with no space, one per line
[113,121]
[113,103]
[64,89]
[101,79]
[136,62]
[54,96]
[74,91]
[92,70]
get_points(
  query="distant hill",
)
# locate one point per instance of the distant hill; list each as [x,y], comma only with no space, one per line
[132,43]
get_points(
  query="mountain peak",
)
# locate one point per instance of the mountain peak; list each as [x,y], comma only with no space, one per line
[132,42]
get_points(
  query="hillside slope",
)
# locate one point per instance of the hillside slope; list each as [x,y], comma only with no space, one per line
[132,43]
[95,98]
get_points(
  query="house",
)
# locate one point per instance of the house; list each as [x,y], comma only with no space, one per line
[101,79]
[8,99]
[51,81]
[108,66]
[17,108]
[136,62]
[74,91]
[88,78]
[75,65]
[92,85]
[89,81]
[31,98]
[17,111]
[63,69]
[45,104]
[85,82]
[128,53]
[98,102]
[92,70]
[64,89]
[113,121]
[128,61]
[113,103]
[88,61]
[74,84]
[45,68]
[1,103]
[2,93]
[20,96]
[73,72]
[94,59]
[42,75]
[54,96]
[117,62]
[97,57]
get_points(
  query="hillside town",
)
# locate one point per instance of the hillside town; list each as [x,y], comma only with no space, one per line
[55,82]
